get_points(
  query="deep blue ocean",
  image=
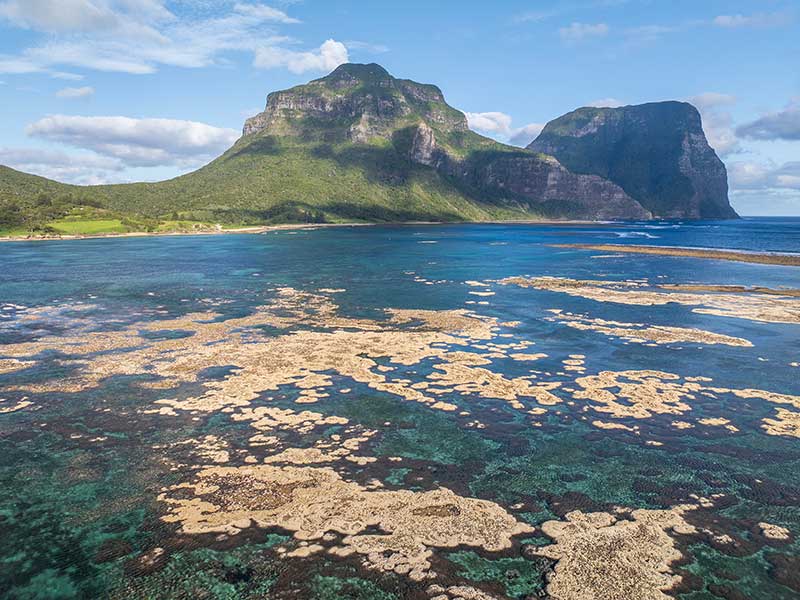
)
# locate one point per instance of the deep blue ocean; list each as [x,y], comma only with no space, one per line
[82,518]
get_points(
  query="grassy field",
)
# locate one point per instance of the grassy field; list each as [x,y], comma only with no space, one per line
[16,232]
[89,226]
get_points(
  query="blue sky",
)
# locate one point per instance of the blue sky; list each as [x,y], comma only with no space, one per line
[124,90]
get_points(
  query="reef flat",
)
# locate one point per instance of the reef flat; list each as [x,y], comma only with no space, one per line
[221,422]
[792,260]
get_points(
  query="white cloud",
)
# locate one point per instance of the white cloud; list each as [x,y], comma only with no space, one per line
[66,76]
[780,125]
[500,125]
[138,142]
[747,175]
[490,122]
[327,57]
[713,99]
[139,36]
[717,122]
[765,188]
[525,135]
[81,168]
[606,103]
[577,32]
[265,13]
[776,19]
[72,92]
[59,15]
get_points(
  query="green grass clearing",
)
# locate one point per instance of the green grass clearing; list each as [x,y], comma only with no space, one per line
[89,226]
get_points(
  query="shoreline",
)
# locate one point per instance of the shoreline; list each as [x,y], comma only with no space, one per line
[764,258]
[135,234]
[257,229]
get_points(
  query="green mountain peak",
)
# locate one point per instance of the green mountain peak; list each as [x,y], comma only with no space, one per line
[357,103]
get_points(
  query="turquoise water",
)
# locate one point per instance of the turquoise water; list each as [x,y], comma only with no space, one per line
[81,469]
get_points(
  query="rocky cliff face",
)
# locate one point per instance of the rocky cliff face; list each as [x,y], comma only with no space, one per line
[364,105]
[534,182]
[355,102]
[656,152]
[547,185]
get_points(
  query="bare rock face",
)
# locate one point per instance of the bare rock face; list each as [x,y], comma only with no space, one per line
[657,152]
[536,182]
[355,102]
[542,184]
[423,147]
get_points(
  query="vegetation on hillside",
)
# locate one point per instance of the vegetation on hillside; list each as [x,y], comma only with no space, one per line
[338,149]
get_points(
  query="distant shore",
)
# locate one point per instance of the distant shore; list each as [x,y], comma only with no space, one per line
[131,234]
[267,228]
[764,258]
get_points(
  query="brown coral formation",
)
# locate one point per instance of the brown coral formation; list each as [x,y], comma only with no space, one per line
[731,289]
[601,557]
[302,357]
[768,308]
[9,408]
[10,365]
[786,422]
[733,255]
[642,333]
[719,422]
[643,394]
[774,532]
[312,501]
[636,394]
[457,592]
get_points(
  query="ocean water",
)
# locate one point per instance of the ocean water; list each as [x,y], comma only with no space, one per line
[102,449]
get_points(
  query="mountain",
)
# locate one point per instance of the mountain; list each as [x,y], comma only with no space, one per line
[656,152]
[399,130]
[361,145]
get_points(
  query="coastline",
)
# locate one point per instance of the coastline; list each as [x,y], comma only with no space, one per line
[256,229]
[134,234]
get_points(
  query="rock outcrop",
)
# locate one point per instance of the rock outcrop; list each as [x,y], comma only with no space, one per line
[656,152]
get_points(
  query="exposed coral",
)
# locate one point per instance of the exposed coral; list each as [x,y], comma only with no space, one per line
[719,422]
[733,255]
[603,558]
[786,422]
[24,403]
[311,502]
[756,306]
[774,532]
[641,333]
[10,365]
[606,425]
[640,394]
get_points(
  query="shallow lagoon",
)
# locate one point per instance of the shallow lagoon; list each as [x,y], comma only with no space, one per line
[107,446]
